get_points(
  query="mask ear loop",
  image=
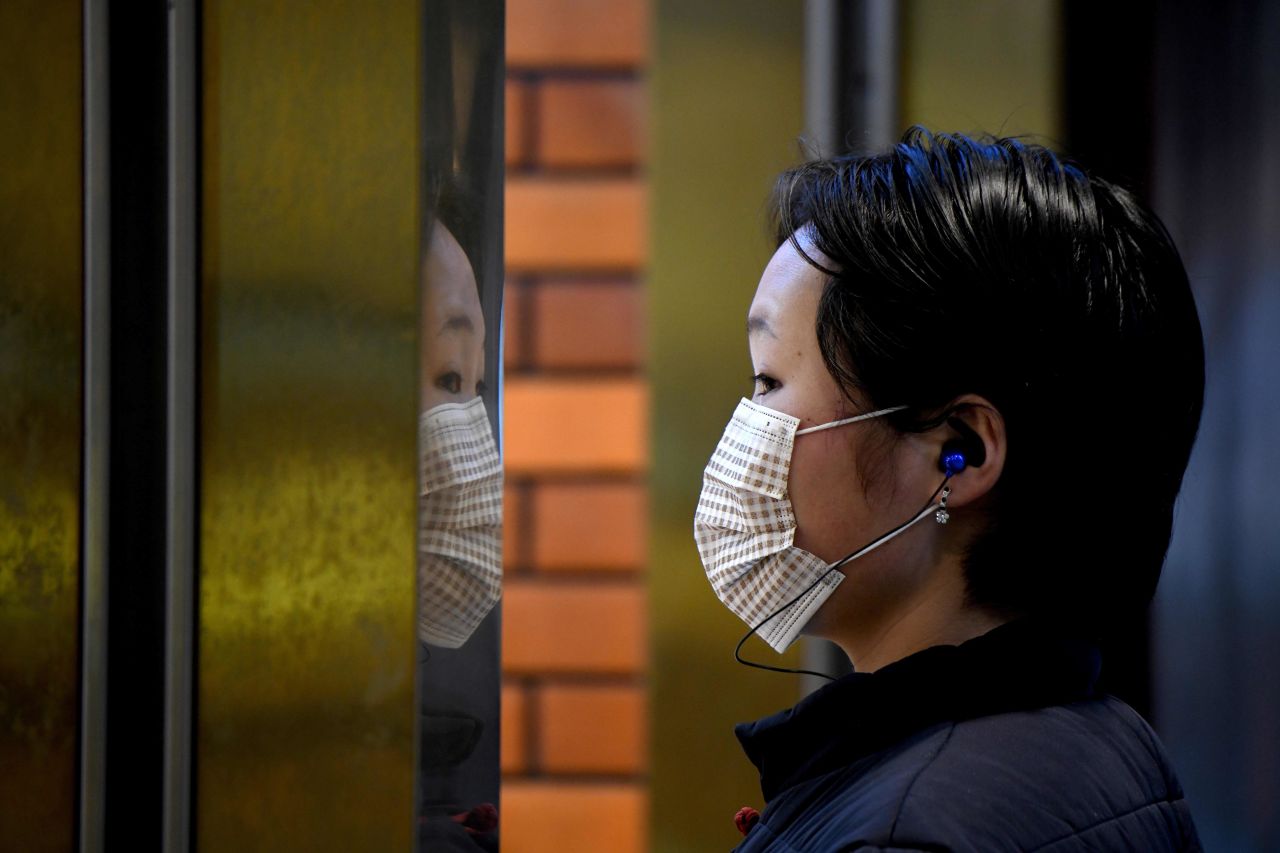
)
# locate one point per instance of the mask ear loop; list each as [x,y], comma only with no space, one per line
[929,507]
[865,416]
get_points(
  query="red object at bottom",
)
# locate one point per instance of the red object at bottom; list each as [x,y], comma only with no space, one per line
[483,818]
[746,818]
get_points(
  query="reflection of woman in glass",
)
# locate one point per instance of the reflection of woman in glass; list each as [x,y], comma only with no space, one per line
[460,534]
[978,377]
[452,324]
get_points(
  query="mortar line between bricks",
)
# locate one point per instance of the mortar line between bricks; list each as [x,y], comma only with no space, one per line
[585,73]
[579,173]
[581,777]
[533,725]
[580,679]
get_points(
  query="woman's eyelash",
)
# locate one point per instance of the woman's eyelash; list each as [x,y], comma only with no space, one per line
[450,381]
[764,379]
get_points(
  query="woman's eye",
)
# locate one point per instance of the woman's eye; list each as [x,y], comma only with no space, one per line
[450,382]
[481,388]
[764,383]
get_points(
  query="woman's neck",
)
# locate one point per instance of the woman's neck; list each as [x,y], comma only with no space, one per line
[939,614]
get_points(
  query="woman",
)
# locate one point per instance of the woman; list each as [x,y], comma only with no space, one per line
[978,376]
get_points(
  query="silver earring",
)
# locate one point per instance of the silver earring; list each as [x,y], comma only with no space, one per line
[942,515]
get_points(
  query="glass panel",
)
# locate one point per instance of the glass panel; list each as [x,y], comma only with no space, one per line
[460,535]
[40,368]
[311,265]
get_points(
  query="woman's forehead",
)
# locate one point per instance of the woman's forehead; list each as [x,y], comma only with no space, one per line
[786,300]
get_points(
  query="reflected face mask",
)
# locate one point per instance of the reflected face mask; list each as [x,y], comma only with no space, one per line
[745,528]
[460,524]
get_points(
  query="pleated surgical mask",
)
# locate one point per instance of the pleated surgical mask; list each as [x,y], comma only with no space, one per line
[460,524]
[745,528]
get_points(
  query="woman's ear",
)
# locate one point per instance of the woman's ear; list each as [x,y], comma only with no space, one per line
[980,422]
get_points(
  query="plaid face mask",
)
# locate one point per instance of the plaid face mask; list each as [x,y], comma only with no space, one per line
[460,524]
[745,528]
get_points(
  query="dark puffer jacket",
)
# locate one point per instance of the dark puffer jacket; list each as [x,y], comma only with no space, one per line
[1000,743]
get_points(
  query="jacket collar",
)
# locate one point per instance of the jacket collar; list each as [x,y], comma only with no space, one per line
[1020,665]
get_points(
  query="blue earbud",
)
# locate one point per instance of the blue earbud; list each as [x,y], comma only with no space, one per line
[953,463]
[960,453]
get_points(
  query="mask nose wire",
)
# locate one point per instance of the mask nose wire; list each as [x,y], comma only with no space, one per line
[875,543]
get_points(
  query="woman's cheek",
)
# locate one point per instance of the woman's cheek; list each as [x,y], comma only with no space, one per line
[825,495]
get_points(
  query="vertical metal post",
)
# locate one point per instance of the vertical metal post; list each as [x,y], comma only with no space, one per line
[879,92]
[96,439]
[851,74]
[822,45]
[181,379]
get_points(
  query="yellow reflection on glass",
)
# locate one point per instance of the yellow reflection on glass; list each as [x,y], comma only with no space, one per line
[309,406]
[40,368]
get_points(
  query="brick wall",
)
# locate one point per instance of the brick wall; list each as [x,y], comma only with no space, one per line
[574,725]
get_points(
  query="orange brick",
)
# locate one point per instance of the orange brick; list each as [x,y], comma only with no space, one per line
[572,628]
[515,128]
[591,123]
[541,817]
[592,729]
[575,425]
[587,325]
[600,33]
[575,223]
[514,346]
[514,716]
[589,526]
[513,530]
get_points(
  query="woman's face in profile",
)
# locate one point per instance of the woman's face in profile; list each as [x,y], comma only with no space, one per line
[452,324]
[834,515]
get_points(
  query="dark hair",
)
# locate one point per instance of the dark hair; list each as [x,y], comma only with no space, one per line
[996,267]
[453,204]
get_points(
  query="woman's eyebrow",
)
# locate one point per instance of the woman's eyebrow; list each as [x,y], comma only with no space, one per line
[457,323]
[756,323]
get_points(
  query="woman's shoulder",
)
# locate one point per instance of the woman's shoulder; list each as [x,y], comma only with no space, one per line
[1055,778]
[1098,743]
[1048,776]
[1089,774]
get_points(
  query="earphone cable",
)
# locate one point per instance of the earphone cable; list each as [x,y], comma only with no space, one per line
[737,652]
